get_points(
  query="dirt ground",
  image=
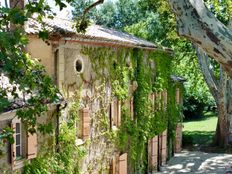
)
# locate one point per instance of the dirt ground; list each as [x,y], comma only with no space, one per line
[199,162]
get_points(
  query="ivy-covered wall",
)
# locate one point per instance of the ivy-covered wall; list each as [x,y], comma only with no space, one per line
[128,75]
[110,73]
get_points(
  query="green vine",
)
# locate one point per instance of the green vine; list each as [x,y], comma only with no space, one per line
[119,69]
[67,160]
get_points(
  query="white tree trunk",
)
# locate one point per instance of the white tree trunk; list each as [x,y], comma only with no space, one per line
[221,90]
[196,23]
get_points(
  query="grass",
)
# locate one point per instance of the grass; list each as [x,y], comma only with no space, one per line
[200,131]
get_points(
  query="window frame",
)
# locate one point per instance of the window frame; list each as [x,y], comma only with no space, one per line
[20,141]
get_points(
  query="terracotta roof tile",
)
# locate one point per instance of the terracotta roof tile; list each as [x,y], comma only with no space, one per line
[93,32]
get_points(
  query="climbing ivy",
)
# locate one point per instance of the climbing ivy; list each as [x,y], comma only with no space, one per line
[118,69]
[67,159]
[151,71]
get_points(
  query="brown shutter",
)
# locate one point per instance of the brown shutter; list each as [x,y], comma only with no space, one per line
[164,148]
[114,111]
[123,164]
[113,166]
[178,141]
[85,114]
[13,146]
[154,152]
[31,145]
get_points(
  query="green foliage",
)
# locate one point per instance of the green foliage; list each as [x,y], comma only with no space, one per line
[28,80]
[149,70]
[80,6]
[65,162]
[155,22]
[68,159]
[134,134]
[221,9]
[200,132]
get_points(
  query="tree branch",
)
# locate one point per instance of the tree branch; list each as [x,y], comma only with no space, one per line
[212,83]
[196,23]
[92,6]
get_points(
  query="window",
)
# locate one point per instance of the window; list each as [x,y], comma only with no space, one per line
[84,124]
[78,66]
[115,113]
[24,146]
[18,141]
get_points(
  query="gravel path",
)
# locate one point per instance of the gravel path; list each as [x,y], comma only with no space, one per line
[198,162]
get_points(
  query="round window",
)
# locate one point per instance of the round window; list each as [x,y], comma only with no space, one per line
[78,66]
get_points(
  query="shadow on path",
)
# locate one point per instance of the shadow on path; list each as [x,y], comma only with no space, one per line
[198,162]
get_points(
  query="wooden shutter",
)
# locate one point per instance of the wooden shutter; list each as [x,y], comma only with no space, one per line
[13,146]
[85,117]
[123,164]
[31,145]
[154,152]
[178,141]
[164,148]
[116,112]
[113,166]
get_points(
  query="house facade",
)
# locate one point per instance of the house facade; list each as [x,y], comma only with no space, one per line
[101,70]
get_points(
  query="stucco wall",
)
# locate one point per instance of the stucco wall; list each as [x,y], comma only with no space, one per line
[38,49]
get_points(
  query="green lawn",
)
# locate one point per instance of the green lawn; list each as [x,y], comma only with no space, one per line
[199,132]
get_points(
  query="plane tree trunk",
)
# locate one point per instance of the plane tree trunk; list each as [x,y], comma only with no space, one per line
[212,38]
[196,23]
[221,89]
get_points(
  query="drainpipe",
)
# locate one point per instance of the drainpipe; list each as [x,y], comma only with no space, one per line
[57,130]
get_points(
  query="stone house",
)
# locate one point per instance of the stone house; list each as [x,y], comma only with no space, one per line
[98,67]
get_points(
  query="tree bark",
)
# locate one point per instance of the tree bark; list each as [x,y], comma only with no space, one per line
[221,90]
[196,23]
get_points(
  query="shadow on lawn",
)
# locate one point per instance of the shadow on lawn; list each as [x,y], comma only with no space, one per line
[205,116]
[196,139]
[202,141]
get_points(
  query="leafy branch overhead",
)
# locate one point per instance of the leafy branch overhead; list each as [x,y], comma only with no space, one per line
[25,84]
[82,22]
[24,79]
